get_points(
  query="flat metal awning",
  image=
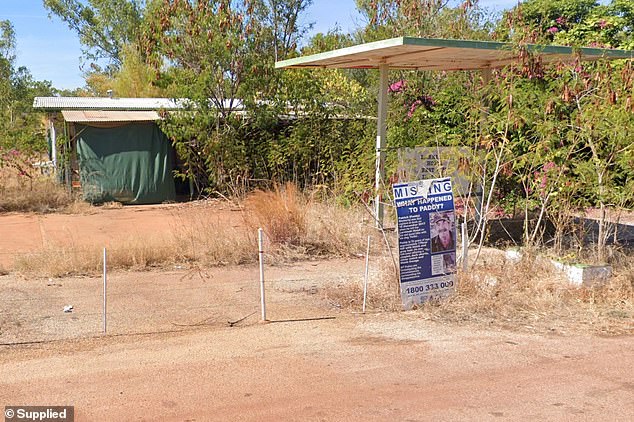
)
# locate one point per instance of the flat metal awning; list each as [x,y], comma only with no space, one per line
[441,54]
[433,54]
[109,116]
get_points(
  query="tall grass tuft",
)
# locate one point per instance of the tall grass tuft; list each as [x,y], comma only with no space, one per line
[281,213]
[383,289]
[298,227]
[60,261]
[34,195]
[532,295]
[201,237]
[335,230]
[529,296]
[24,188]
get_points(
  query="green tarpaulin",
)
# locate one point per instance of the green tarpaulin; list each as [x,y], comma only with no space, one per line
[130,163]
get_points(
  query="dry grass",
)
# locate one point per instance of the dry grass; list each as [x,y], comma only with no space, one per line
[383,289]
[78,206]
[281,213]
[336,230]
[198,237]
[201,238]
[39,194]
[298,227]
[63,261]
[30,191]
[531,295]
[528,295]
[193,239]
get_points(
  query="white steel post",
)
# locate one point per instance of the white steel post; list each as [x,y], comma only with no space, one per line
[465,247]
[261,257]
[53,136]
[365,279]
[381,136]
[105,296]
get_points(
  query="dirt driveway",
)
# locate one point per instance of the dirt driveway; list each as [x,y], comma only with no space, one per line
[380,367]
[171,354]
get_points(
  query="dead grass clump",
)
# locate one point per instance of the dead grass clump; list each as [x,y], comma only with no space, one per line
[141,253]
[521,292]
[281,213]
[298,228]
[23,188]
[531,295]
[63,261]
[338,231]
[112,205]
[210,241]
[79,206]
[528,295]
[383,289]
[58,262]
[40,194]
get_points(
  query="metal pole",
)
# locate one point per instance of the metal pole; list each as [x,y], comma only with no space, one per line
[53,138]
[365,280]
[261,256]
[105,297]
[465,247]
[381,136]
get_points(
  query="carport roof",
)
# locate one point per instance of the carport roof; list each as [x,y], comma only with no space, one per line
[440,54]
[94,116]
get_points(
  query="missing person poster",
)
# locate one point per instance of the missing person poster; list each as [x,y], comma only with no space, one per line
[426,239]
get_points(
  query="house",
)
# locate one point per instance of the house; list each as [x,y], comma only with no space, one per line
[112,149]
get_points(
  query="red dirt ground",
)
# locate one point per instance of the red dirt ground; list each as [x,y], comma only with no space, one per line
[172,355]
[387,367]
[23,233]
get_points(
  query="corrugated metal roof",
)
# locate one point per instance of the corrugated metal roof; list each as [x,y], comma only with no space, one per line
[107,103]
[87,116]
[440,54]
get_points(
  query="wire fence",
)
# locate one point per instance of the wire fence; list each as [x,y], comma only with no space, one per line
[39,310]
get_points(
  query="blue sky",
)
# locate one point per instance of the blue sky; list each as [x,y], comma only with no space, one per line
[52,52]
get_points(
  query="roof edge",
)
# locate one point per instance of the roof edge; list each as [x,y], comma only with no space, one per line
[360,48]
[588,52]
[107,103]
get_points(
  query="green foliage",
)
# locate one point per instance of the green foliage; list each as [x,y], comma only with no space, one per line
[555,138]
[134,78]
[20,126]
[571,22]
[104,26]
[220,51]
[416,18]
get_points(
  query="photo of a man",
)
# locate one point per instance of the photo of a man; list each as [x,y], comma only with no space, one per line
[449,260]
[442,231]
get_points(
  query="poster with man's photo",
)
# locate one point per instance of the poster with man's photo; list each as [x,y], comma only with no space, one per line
[426,239]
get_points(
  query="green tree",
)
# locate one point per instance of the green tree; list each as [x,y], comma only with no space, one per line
[570,22]
[20,127]
[135,78]
[104,27]
[219,54]
[7,58]
[283,20]
[426,18]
